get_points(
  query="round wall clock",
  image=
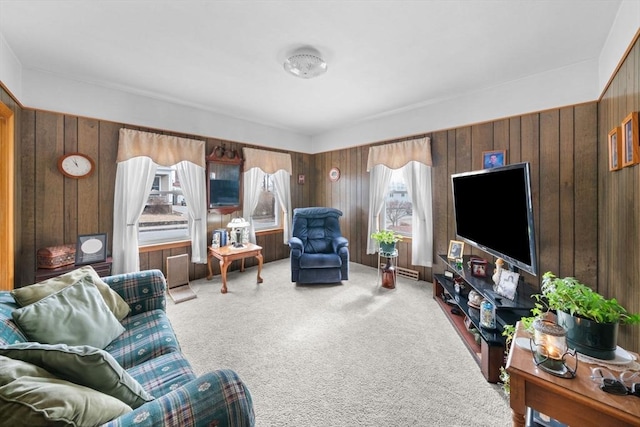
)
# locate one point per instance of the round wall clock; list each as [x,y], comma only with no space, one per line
[334,174]
[76,165]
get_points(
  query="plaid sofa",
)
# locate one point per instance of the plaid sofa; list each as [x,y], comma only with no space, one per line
[149,351]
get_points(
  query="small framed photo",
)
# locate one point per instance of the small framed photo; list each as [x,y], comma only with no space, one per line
[615,145]
[493,159]
[301,179]
[478,267]
[456,249]
[630,154]
[91,248]
[508,284]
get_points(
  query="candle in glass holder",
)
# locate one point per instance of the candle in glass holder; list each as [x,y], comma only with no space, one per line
[550,340]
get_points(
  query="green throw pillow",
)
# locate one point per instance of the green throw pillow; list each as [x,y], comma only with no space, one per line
[31,396]
[76,315]
[33,293]
[84,365]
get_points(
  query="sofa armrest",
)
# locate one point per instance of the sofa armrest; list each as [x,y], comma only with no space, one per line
[218,398]
[143,290]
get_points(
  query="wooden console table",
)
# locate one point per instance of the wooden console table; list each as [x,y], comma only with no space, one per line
[102,268]
[227,254]
[576,402]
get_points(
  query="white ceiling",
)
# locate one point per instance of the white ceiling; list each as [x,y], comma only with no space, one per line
[226,56]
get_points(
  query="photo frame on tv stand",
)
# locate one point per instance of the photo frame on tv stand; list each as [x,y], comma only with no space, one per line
[508,284]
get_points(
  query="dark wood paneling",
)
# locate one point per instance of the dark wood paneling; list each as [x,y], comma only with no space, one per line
[55,210]
[618,203]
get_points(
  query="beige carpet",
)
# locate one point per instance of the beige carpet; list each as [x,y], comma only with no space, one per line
[351,354]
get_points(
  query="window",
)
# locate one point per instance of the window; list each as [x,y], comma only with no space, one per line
[266,215]
[398,208]
[165,217]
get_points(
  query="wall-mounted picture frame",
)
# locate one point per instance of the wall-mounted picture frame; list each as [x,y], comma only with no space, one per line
[508,284]
[91,248]
[629,131]
[493,159]
[615,147]
[456,249]
[301,179]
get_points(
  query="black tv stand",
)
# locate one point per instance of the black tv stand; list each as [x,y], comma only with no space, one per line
[490,352]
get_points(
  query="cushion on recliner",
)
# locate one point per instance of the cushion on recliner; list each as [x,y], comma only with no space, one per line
[320,261]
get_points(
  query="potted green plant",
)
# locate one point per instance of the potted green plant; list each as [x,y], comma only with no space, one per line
[590,319]
[386,239]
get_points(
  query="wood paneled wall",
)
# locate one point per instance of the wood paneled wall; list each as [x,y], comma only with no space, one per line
[55,209]
[561,146]
[619,200]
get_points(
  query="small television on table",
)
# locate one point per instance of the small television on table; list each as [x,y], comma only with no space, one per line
[493,212]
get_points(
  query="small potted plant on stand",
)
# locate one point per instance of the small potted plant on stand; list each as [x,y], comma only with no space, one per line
[386,240]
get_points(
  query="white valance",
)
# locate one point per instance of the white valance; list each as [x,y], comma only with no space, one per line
[398,154]
[269,161]
[164,150]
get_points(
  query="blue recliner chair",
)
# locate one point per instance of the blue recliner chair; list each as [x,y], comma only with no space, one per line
[319,252]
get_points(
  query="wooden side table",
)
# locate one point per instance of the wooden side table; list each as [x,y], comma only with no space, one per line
[227,254]
[576,402]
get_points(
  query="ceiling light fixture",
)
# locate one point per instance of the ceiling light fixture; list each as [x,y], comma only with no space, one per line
[305,63]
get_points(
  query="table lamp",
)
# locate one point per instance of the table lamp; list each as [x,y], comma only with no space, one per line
[239,231]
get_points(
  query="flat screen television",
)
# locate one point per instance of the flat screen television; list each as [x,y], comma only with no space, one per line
[493,212]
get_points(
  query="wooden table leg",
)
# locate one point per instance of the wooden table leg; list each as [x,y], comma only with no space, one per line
[223,270]
[517,400]
[210,276]
[259,256]
[517,419]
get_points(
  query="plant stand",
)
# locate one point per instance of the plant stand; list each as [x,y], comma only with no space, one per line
[387,273]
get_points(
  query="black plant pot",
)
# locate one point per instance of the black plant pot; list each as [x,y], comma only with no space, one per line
[598,340]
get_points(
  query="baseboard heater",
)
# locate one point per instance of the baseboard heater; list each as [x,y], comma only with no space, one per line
[407,273]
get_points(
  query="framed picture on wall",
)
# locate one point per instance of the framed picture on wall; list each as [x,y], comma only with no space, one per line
[615,145]
[495,158]
[630,154]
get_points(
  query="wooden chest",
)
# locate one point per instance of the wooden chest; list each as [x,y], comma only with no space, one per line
[56,256]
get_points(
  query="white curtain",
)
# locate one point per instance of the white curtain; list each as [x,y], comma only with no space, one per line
[252,184]
[282,183]
[133,185]
[413,157]
[194,190]
[257,163]
[139,154]
[379,181]
[417,176]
